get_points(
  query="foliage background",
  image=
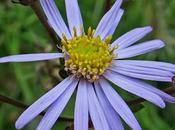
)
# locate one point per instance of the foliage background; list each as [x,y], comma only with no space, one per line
[21,32]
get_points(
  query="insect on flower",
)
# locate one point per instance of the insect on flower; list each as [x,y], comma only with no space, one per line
[92,59]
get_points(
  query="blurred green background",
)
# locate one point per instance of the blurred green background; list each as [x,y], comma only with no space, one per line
[21,32]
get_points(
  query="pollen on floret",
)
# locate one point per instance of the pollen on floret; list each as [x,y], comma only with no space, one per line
[89,56]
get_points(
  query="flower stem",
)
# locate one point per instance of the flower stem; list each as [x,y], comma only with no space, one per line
[34,4]
[19,104]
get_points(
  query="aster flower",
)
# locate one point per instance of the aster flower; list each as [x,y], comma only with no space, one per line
[92,61]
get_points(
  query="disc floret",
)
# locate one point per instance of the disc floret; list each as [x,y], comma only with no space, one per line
[87,56]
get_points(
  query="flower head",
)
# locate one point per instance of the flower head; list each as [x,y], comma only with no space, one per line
[89,56]
[92,60]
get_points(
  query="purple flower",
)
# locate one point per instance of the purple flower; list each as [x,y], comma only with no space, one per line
[92,61]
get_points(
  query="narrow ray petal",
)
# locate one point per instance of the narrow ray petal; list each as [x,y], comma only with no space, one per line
[56,108]
[148,64]
[153,89]
[42,103]
[31,57]
[131,37]
[54,17]
[74,16]
[111,115]
[108,20]
[81,107]
[128,85]
[142,75]
[117,65]
[139,49]
[96,113]
[115,24]
[119,105]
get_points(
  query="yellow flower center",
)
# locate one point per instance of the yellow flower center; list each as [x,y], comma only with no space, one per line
[87,56]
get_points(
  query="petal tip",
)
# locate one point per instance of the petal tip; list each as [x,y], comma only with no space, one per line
[162,43]
[159,43]
[122,10]
[162,105]
[18,125]
[118,2]
[148,28]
